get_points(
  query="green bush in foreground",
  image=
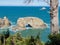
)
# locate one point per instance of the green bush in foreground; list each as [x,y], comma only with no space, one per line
[17,39]
[53,39]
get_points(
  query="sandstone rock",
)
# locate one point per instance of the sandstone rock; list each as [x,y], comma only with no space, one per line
[34,22]
[1,22]
[17,28]
[4,22]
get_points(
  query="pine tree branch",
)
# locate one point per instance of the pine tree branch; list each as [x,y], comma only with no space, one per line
[27,1]
[47,1]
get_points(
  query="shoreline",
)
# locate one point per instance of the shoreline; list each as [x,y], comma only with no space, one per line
[22,22]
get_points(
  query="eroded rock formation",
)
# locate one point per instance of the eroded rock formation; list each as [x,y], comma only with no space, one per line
[4,22]
[23,23]
[32,22]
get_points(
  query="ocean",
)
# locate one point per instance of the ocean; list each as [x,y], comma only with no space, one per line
[15,12]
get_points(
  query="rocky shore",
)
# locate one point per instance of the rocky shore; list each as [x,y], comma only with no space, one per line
[23,23]
[4,22]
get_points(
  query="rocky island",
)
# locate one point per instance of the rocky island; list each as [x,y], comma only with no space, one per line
[23,23]
[29,22]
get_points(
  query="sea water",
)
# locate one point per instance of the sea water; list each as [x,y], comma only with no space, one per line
[15,12]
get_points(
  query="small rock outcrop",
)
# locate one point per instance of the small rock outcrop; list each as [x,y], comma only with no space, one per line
[4,22]
[32,22]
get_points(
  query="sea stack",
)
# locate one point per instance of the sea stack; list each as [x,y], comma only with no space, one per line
[4,22]
[32,22]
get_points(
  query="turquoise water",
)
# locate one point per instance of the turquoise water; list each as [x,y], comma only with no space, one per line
[43,33]
[14,12]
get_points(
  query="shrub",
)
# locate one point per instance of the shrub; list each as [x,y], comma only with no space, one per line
[53,39]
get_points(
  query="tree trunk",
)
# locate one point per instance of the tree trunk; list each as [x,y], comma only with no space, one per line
[4,40]
[54,16]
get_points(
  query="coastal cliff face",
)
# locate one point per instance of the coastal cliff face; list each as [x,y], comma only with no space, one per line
[4,22]
[29,22]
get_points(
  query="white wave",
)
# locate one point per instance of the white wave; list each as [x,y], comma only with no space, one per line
[43,8]
[48,25]
[12,23]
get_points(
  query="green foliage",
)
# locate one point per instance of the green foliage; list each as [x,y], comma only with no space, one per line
[53,40]
[17,39]
[34,41]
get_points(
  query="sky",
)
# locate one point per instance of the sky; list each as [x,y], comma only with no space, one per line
[21,3]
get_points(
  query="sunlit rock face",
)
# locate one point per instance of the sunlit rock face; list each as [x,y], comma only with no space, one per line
[1,22]
[32,22]
[24,23]
[4,22]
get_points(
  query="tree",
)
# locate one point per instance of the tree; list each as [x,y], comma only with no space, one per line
[53,40]
[5,34]
[53,15]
